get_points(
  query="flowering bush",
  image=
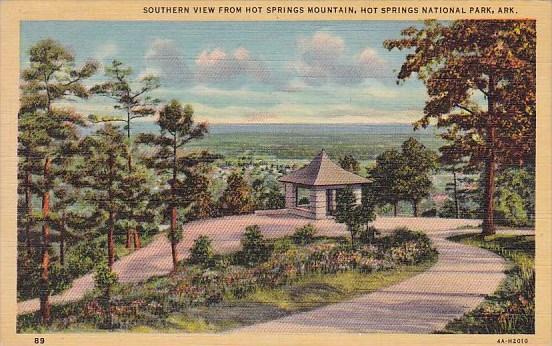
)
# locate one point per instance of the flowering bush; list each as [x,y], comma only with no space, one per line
[304,235]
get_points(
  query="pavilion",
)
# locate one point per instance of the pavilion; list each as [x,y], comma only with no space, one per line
[311,191]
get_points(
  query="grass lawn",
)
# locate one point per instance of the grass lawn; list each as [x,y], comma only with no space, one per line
[511,309]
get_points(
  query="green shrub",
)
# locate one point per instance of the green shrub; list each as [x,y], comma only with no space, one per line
[404,246]
[282,245]
[201,251]
[367,235]
[303,201]
[304,235]
[254,247]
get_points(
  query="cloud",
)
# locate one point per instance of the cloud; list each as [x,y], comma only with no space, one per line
[323,59]
[106,51]
[165,59]
[218,66]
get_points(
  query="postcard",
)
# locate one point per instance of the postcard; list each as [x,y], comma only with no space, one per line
[275,172]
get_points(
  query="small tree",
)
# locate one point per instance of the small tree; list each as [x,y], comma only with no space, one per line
[254,247]
[354,215]
[349,163]
[177,128]
[237,197]
[305,234]
[346,211]
[104,280]
[201,251]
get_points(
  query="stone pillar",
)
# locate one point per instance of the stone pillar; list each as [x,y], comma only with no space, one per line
[290,195]
[357,191]
[318,202]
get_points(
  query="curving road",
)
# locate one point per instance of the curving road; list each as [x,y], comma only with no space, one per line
[458,282]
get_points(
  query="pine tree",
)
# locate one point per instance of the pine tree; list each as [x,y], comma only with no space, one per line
[135,103]
[50,77]
[356,216]
[349,163]
[177,128]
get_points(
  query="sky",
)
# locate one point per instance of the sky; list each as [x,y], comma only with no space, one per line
[251,72]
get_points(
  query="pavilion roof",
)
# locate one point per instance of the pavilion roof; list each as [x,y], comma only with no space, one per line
[322,171]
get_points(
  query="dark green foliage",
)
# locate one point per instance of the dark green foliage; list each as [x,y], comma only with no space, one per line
[135,103]
[404,175]
[303,201]
[237,197]
[254,246]
[419,163]
[355,216]
[515,197]
[105,279]
[462,59]
[47,141]
[430,212]
[267,193]
[202,251]
[367,235]
[407,247]
[349,163]
[180,171]
[103,176]
[386,178]
[304,235]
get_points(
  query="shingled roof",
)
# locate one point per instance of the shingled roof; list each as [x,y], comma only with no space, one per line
[321,172]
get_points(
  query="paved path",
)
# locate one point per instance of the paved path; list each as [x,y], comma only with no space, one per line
[457,283]
[461,278]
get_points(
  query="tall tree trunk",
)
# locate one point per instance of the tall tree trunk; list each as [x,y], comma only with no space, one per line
[395,208]
[137,240]
[45,261]
[110,243]
[173,210]
[108,314]
[29,211]
[456,207]
[128,242]
[488,219]
[415,207]
[173,237]
[62,241]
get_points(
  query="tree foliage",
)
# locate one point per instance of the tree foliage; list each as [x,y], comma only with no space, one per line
[356,216]
[177,128]
[47,136]
[404,175]
[349,163]
[480,77]
[237,197]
